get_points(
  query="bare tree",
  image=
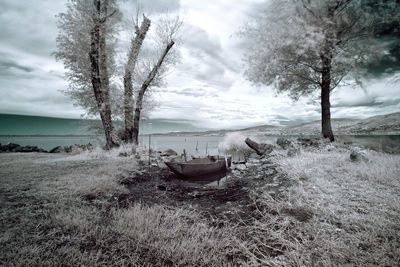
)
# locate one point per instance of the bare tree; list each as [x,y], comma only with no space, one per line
[146,71]
[301,46]
[82,45]
[87,46]
[133,54]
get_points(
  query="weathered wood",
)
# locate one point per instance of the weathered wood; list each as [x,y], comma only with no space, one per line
[260,149]
[129,68]
[143,89]
[99,71]
[326,58]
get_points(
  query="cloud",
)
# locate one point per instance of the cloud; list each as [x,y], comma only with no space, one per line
[207,87]
[202,45]
[151,7]
[7,66]
[29,26]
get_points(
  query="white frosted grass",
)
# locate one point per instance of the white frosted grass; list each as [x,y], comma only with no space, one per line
[233,141]
[83,178]
[355,209]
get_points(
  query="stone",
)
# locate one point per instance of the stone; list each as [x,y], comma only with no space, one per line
[284,143]
[261,149]
[240,167]
[315,142]
[11,147]
[254,156]
[169,152]
[27,149]
[57,149]
[293,152]
[357,156]
[162,187]
[19,149]
[195,194]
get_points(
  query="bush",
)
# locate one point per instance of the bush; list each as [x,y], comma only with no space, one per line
[234,143]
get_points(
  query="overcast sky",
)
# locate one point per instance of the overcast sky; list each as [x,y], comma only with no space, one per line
[206,87]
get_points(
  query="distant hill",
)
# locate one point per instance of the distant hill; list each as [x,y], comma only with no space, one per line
[35,125]
[11,124]
[388,124]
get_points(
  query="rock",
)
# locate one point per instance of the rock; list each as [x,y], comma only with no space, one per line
[357,156]
[254,156]
[19,149]
[254,161]
[284,143]
[315,142]
[88,146]
[169,152]
[329,147]
[195,194]
[293,152]
[123,154]
[239,167]
[57,149]
[75,148]
[261,149]
[11,147]
[162,187]
[27,149]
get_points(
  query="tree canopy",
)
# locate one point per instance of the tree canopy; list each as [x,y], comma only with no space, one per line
[303,46]
[87,44]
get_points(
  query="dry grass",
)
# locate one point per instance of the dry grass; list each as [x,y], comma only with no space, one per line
[337,212]
[51,223]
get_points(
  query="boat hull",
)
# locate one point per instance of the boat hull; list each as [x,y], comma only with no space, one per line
[196,168]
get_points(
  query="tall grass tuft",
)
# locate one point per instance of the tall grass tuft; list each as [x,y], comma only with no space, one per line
[234,143]
[336,213]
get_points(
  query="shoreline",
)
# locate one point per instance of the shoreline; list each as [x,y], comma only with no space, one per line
[271,209]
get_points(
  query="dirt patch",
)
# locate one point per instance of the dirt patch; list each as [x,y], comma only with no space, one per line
[229,202]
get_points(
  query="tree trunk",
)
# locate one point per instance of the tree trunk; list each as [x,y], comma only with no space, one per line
[128,107]
[129,68]
[142,91]
[325,103]
[99,73]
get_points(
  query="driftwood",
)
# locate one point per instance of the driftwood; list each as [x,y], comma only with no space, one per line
[261,149]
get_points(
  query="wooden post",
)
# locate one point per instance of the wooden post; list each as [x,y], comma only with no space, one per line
[150,128]
[206,149]
[149,149]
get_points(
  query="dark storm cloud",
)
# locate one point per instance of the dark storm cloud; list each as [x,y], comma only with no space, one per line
[29,26]
[386,31]
[8,66]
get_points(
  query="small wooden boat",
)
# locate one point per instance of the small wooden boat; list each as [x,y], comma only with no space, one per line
[200,166]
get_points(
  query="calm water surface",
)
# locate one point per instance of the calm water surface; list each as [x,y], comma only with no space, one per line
[195,145]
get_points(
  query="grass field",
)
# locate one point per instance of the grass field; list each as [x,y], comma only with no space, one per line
[65,210]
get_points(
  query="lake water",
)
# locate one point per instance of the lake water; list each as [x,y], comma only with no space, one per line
[194,145]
